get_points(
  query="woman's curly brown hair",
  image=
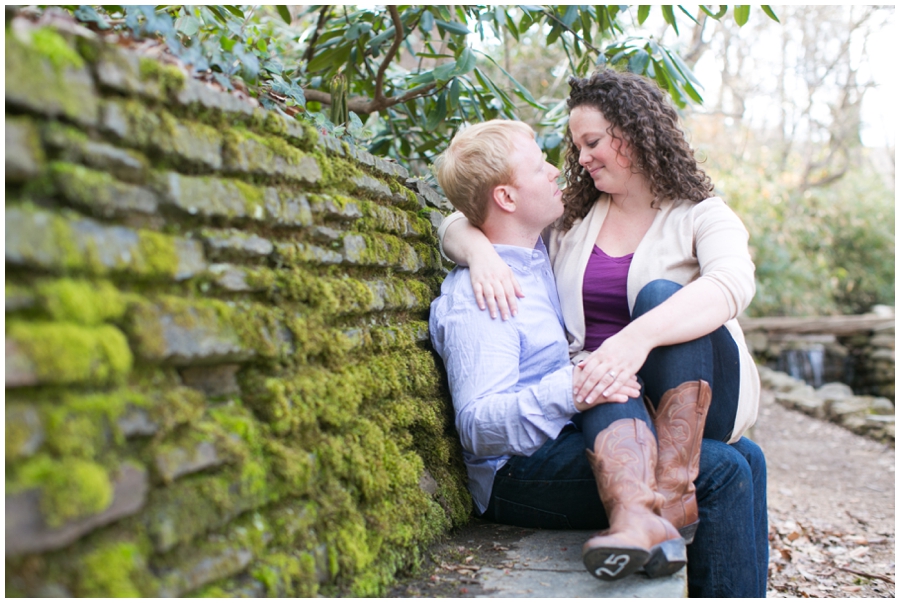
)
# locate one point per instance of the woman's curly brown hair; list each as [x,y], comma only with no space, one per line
[639,113]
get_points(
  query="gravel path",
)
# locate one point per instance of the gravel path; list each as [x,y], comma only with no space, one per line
[831,507]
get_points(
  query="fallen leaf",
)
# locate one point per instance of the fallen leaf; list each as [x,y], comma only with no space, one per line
[851,589]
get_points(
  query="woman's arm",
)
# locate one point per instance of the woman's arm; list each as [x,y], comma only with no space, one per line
[492,279]
[692,312]
[725,287]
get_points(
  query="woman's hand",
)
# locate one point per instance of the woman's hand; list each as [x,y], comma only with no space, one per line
[604,373]
[495,285]
[630,388]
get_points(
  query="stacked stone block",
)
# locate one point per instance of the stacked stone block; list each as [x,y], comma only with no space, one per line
[218,379]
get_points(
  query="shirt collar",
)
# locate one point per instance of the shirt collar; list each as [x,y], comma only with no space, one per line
[522,258]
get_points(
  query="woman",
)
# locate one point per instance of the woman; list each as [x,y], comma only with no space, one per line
[652,273]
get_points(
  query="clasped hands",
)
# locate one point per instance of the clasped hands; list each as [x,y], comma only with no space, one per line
[607,375]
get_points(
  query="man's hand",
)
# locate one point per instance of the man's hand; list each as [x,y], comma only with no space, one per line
[630,388]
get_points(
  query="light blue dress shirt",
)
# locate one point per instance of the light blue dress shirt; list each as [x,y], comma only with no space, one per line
[511,380]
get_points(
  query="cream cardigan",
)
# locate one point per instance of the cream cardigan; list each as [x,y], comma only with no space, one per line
[685,242]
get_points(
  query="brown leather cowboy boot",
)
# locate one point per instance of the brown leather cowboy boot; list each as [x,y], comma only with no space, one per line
[679,422]
[624,465]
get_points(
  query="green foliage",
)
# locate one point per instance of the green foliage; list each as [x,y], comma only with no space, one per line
[820,251]
[403,79]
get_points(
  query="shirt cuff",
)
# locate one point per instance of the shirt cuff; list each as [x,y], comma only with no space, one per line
[556,400]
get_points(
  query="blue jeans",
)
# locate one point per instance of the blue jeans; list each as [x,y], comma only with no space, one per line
[713,358]
[555,488]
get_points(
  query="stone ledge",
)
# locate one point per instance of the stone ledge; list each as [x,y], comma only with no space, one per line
[40,239]
[184,336]
[196,93]
[185,141]
[24,155]
[99,193]
[178,461]
[865,415]
[235,244]
[120,70]
[267,156]
[27,533]
[209,568]
[215,197]
[74,146]
[60,86]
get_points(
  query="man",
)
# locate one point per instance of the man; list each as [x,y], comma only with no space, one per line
[523,434]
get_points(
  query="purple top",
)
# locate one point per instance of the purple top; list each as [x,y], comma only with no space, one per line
[605,297]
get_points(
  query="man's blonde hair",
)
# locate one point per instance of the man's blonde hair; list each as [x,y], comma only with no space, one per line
[477,160]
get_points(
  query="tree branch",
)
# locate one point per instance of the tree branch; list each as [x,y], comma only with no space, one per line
[310,50]
[575,35]
[363,106]
[398,40]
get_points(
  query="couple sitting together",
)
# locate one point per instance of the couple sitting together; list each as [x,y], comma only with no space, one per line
[615,389]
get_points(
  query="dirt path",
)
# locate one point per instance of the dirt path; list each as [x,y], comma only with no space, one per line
[831,507]
[831,518]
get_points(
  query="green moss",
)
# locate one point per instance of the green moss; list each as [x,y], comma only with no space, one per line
[254,198]
[274,124]
[157,253]
[70,488]
[244,326]
[295,467]
[330,295]
[88,48]
[160,131]
[48,43]
[170,78]
[108,571]
[143,124]
[287,574]
[381,250]
[63,136]
[248,448]
[80,301]
[65,353]
[173,406]
[330,398]
[336,172]
[256,153]
[84,425]
[24,430]
[196,504]
[40,69]
[398,189]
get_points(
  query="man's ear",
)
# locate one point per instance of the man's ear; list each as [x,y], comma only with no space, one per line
[502,198]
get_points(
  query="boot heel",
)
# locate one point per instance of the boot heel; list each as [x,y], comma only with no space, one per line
[666,558]
[688,532]
[611,564]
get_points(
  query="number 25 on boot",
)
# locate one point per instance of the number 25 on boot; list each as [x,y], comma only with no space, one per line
[624,465]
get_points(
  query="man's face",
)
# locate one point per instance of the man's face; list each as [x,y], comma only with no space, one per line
[534,188]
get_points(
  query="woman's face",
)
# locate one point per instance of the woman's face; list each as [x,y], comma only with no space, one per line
[606,159]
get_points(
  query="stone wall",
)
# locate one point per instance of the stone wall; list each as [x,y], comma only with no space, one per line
[218,379]
[870,416]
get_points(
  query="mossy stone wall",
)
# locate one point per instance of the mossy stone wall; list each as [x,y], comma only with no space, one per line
[218,376]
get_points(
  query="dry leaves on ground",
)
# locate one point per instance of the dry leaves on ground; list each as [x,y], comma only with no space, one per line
[817,560]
